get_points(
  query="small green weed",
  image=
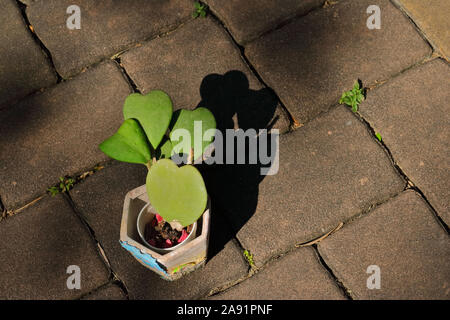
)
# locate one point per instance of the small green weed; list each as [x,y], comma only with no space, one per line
[53,190]
[200,10]
[353,97]
[249,257]
[378,136]
[65,184]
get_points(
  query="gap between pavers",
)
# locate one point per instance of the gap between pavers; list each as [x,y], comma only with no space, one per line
[298,275]
[109,292]
[57,132]
[330,171]
[404,239]
[312,60]
[37,247]
[100,199]
[412,114]
[199,65]
[432,19]
[106,27]
[25,68]
[248,19]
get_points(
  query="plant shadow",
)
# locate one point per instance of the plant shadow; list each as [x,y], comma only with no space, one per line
[233,187]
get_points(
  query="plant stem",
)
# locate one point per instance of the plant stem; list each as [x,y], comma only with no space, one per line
[190,158]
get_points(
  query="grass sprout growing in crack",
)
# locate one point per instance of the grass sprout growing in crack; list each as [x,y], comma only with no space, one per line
[353,97]
[378,136]
[249,257]
[65,184]
[200,10]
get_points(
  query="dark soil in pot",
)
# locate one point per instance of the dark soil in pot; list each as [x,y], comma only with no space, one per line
[159,233]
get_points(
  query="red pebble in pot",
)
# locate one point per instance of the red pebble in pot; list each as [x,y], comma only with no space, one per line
[184,235]
[159,218]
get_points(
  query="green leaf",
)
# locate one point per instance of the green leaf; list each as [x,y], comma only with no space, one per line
[177,194]
[359,98]
[128,144]
[378,136]
[185,119]
[197,5]
[195,14]
[53,190]
[347,100]
[164,151]
[153,111]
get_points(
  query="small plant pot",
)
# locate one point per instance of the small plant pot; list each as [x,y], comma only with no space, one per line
[169,264]
[145,216]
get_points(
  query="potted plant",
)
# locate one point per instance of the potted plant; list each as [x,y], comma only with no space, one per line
[165,223]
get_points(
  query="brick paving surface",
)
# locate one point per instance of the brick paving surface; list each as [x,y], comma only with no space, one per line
[432,19]
[412,114]
[404,239]
[111,184]
[188,64]
[57,133]
[110,292]
[25,67]
[106,28]
[254,64]
[37,247]
[248,19]
[298,275]
[312,60]
[339,172]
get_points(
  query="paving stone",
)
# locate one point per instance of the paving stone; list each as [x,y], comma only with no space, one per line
[38,244]
[298,275]
[312,60]
[199,65]
[109,292]
[248,19]
[403,238]
[57,132]
[432,18]
[103,209]
[27,68]
[107,27]
[329,171]
[412,114]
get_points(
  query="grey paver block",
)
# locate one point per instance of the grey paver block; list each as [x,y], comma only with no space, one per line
[298,275]
[57,132]
[38,244]
[25,68]
[189,64]
[412,114]
[109,292]
[329,171]
[100,199]
[107,27]
[312,60]
[403,238]
[432,18]
[247,19]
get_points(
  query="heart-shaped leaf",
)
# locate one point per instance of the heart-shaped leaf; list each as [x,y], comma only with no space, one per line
[128,144]
[186,119]
[164,151]
[177,194]
[153,111]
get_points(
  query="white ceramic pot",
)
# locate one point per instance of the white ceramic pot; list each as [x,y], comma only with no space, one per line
[146,216]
